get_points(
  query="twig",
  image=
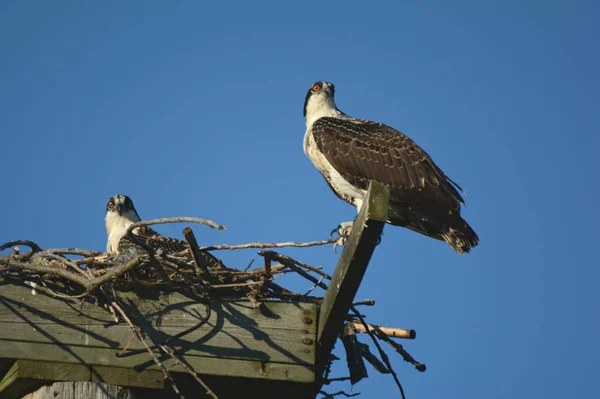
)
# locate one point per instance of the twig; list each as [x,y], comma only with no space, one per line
[338,393]
[249,264]
[366,302]
[180,219]
[405,355]
[336,379]
[201,269]
[268,245]
[311,289]
[387,331]
[115,272]
[246,284]
[140,334]
[292,265]
[84,282]
[383,355]
[190,370]
[266,277]
[34,247]
[280,257]
[62,259]
[74,251]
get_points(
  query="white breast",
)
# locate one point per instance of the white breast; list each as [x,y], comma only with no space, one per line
[341,186]
[116,227]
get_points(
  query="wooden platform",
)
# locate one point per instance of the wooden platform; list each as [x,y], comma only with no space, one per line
[80,341]
[241,351]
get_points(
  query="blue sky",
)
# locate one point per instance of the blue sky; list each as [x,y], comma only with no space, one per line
[195,108]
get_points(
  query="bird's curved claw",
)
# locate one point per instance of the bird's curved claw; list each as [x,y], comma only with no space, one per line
[343,230]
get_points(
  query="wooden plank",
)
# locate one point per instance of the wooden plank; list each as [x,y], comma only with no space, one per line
[80,389]
[275,333]
[175,309]
[27,373]
[352,265]
[142,361]
[267,345]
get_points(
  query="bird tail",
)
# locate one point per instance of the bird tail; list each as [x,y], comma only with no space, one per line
[460,236]
[439,224]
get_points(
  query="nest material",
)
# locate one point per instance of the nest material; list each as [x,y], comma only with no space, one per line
[80,273]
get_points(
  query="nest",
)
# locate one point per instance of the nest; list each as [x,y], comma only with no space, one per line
[97,276]
[77,273]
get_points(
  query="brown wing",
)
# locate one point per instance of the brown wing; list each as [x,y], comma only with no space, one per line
[172,245]
[363,150]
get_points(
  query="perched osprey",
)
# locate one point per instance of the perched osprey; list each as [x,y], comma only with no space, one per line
[120,214]
[351,152]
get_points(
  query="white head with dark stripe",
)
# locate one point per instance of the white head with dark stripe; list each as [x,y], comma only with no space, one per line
[320,102]
[120,214]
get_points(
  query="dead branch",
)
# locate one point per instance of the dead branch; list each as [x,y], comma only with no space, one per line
[141,336]
[34,247]
[286,259]
[76,278]
[383,355]
[74,251]
[387,331]
[201,268]
[366,302]
[338,393]
[405,355]
[268,245]
[60,259]
[115,272]
[291,263]
[266,277]
[181,219]
[311,289]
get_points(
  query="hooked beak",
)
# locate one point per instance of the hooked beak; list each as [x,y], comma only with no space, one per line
[120,208]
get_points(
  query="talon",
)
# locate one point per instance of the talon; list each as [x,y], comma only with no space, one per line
[343,230]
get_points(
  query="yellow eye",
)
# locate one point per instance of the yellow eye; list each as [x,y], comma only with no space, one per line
[111,205]
[316,88]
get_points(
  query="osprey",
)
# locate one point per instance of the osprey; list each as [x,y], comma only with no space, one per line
[120,214]
[350,153]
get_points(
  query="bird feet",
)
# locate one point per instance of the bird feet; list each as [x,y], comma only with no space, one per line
[344,229]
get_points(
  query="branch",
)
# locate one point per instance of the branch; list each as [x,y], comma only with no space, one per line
[284,258]
[400,349]
[140,335]
[115,272]
[268,245]
[384,357]
[292,264]
[201,269]
[34,247]
[387,331]
[76,278]
[180,219]
[74,251]
[61,259]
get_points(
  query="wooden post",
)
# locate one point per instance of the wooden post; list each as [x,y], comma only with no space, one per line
[351,267]
[80,389]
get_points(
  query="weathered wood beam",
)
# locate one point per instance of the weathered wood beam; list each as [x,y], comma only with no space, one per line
[276,342]
[26,374]
[351,266]
[81,389]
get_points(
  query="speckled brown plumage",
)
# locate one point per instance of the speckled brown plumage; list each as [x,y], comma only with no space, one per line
[422,197]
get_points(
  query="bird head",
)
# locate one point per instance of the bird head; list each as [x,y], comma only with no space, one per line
[121,204]
[120,212]
[320,101]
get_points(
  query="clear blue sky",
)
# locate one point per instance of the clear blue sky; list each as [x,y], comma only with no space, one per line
[196,109]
